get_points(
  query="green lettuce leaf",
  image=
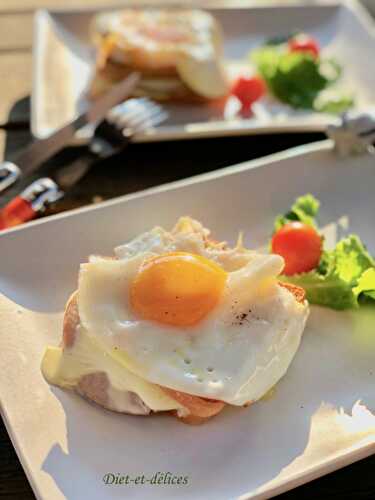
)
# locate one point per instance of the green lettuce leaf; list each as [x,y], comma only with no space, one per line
[304,209]
[341,276]
[334,104]
[351,259]
[329,290]
[366,285]
[344,276]
[297,78]
[280,39]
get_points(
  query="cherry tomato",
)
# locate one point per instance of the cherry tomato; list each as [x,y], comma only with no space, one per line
[248,90]
[300,245]
[304,43]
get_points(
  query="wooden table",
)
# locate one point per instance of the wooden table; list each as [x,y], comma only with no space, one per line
[142,166]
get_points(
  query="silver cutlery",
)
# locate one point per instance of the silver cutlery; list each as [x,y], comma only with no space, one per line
[111,136]
[30,159]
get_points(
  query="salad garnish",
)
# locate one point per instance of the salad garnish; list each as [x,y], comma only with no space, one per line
[342,277]
[296,73]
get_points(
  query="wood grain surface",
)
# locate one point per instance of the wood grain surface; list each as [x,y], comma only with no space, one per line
[141,166]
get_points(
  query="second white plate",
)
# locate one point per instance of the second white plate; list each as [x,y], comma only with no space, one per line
[321,415]
[64,60]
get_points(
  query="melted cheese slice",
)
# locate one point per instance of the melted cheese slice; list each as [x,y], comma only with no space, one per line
[64,368]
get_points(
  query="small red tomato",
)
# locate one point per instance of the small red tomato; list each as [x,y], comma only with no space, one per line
[300,245]
[248,90]
[304,43]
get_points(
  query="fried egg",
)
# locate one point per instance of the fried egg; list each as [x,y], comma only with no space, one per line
[169,47]
[192,317]
[154,38]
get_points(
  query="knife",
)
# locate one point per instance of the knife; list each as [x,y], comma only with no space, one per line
[34,200]
[41,150]
[111,136]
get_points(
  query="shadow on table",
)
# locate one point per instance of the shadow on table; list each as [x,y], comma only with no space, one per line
[19,115]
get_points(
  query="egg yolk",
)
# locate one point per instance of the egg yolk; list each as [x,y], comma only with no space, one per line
[177,288]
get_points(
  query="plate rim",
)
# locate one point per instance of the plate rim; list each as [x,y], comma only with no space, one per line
[314,472]
[304,149]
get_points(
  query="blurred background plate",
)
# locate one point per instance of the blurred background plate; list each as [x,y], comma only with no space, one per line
[64,59]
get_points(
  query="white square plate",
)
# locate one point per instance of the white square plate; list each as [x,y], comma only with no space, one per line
[321,416]
[64,60]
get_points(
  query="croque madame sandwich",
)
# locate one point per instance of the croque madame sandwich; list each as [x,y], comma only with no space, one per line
[177,52]
[178,322]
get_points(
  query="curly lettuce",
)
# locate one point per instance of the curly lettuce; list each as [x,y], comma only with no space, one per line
[304,209]
[298,78]
[345,275]
[366,285]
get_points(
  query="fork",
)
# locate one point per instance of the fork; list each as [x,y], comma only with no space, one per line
[111,136]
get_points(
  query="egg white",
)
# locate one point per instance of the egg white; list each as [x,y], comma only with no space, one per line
[197,59]
[199,26]
[236,354]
